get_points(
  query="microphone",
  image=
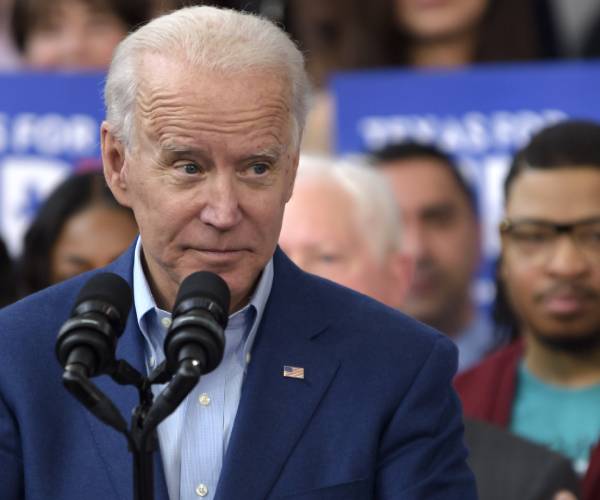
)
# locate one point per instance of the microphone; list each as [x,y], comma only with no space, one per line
[87,341]
[200,316]
[195,341]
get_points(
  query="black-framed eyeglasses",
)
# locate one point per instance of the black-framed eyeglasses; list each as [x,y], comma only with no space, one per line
[534,237]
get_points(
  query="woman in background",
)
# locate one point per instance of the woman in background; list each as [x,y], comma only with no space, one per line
[74,34]
[80,227]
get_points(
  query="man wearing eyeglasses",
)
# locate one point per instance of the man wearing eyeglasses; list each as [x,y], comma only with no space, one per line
[546,385]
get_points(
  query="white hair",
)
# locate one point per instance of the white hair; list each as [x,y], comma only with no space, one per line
[376,208]
[206,38]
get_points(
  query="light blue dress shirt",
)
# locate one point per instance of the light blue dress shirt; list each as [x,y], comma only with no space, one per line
[193,440]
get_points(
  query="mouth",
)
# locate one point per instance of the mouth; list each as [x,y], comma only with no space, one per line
[424,281]
[220,254]
[567,303]
[219,250]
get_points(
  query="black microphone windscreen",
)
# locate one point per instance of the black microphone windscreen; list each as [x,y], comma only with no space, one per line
[109,288]
[204,284]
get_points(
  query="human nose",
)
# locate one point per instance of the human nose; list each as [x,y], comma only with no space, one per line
[221,210]
[566,259]
[414,241]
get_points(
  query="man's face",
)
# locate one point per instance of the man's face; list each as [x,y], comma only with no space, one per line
[441,234]
[209,172]
[555,291]
[322,234]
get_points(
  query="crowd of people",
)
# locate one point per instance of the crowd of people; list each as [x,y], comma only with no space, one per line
[400,225]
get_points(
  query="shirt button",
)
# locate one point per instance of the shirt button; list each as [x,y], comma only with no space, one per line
[204,399]
[248,357]
[201,490]
[152,362]
[166,322]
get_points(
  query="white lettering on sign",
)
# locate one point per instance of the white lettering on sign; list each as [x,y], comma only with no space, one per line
[471,133]
[52,134]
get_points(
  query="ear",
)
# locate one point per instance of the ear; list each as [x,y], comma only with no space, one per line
[114,164]
[401,270]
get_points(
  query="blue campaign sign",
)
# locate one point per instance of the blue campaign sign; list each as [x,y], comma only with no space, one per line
[49,125]
[480,115]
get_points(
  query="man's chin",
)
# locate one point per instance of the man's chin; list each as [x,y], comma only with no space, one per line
[576,343]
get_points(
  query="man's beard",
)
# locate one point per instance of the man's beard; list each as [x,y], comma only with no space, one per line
[586,339]
[573,344]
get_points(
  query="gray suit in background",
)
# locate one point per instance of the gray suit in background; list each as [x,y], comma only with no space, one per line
[507,467]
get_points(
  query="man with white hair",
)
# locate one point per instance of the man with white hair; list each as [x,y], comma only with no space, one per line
[342,224]
[321,393]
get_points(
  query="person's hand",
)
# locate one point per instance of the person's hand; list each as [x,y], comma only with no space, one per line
[564,495]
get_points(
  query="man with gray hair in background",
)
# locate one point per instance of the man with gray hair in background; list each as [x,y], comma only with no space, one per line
[321,393]
[342,224]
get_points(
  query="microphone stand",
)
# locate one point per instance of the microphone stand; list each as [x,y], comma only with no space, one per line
[141,436]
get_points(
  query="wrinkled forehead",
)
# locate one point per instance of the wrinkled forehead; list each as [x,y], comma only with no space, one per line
[172,80]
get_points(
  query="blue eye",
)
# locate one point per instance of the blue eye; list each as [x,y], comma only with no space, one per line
[190,168]
[260,168]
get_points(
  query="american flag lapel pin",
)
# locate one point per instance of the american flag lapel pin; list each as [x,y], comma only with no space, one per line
[293,371]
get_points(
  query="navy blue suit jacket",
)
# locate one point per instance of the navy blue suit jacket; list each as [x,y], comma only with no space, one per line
[374,417]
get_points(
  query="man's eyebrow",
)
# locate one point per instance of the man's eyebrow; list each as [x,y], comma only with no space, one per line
[272,152]
[171,148]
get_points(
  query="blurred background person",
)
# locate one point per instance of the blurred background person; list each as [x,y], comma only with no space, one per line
[74,34]
[342,224]
[9,56]
[546,387]
[80,227]
[508,467]
[460,32]
[352,34]
[443,238]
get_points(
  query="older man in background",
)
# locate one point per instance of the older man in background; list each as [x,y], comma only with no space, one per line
[340,225]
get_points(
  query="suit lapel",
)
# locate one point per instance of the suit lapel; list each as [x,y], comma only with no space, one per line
[274,410]
[112,445]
